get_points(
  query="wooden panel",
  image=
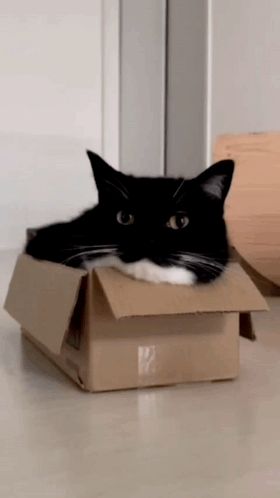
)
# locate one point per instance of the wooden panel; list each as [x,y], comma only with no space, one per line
[253,207]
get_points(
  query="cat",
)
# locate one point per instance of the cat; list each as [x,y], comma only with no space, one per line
[155,229]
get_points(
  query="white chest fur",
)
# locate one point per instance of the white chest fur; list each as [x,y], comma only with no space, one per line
[146,270]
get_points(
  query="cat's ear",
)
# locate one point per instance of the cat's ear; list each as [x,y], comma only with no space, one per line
[109,182]
[216,180]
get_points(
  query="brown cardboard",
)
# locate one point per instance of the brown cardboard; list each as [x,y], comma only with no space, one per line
[41,297]
[253,207]
[265,286]
[123,333]
[128,297]
[165,350]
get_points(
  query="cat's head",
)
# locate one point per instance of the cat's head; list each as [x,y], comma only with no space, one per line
[171,223]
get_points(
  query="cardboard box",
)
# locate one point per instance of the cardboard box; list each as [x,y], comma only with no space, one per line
[108,331]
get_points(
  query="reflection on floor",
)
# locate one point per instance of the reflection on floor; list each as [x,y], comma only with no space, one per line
[214,440]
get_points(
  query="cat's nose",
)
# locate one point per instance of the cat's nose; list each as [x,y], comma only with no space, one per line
[148,245]
[152,246]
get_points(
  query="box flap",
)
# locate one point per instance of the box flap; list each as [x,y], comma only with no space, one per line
[41,297]
[234,291]
[246,326]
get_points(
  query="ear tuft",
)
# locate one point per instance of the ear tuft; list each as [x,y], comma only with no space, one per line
[109,182]
[216,180]
[97,163]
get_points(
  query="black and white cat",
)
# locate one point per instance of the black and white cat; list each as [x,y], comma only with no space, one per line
[156,229]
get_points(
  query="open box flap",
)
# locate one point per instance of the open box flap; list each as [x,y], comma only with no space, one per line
[41,297]
[234,291]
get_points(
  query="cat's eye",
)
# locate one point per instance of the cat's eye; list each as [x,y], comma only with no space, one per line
[178,221]
[125,218]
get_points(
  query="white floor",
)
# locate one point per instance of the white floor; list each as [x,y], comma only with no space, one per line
[215,440]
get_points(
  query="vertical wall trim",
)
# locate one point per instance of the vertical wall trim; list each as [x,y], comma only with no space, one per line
[110,69]
[187,87]
[209,65]
[142,86]
[165,88]
[134,80]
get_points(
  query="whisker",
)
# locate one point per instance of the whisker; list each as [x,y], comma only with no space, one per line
[118,188]
[213,270]
[180,263]
[204,263]
[94,246]
[178,189]
[198,258]
[89,253]
[195,255]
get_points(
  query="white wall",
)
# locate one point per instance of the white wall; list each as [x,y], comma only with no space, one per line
[50,105]
[59,93]
[245,69]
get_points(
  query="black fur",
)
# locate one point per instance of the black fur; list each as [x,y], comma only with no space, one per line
[201,246]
